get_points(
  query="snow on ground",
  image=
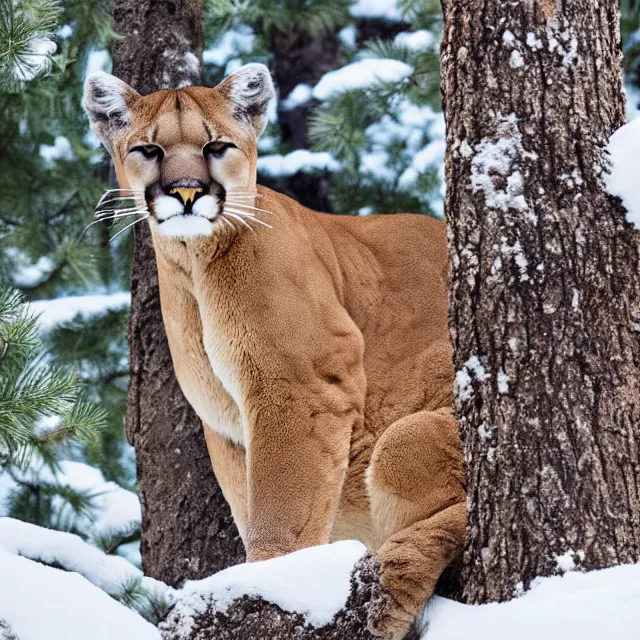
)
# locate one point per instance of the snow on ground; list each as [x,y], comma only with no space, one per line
[42,603]
[360,75]
[314,582]
[576,606]
[107,572]
[624,149]
[115,511]
[385,9]
[299,160]
[58,310]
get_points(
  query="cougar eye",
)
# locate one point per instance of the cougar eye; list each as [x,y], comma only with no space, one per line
[217,149]
[148,150]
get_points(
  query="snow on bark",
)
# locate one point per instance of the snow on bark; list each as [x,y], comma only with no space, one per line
[309,594]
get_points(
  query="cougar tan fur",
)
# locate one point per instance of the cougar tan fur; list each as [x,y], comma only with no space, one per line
[315,349]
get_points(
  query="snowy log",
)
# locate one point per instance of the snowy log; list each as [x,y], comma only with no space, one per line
[316,593]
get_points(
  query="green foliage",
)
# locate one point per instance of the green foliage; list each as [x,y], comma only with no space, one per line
[271,16]
[32,390]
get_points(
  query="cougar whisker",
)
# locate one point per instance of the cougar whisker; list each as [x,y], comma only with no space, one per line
[251,216]
[248,206]
[230,224]
[122,210]
[128,227]
[240,220]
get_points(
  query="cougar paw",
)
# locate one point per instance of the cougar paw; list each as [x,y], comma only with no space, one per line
[407,585]
[391,624]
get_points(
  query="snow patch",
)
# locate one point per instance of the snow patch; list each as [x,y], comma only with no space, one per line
[348,37]
[420,40]
[622,177]
[299,160]
[300,94]
[473,370]
[230,45]
[314,582]
[516,61]
[493,165]
[35,59]
[360,75]
[60,150]
[385,9]
[59,310]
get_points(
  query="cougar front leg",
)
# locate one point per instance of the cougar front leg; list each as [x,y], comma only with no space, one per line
[297,456]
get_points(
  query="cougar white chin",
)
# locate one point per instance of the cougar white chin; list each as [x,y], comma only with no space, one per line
[185,227]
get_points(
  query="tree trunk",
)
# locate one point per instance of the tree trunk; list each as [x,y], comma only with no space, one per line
[187,529]
[543,289]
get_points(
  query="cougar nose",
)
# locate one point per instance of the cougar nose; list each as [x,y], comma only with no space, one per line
[186,193]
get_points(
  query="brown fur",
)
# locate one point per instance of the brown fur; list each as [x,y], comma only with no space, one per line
[317,355]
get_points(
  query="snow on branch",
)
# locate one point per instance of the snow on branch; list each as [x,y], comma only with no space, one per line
[360,75]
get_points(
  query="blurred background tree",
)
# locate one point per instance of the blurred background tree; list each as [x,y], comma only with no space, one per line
[357,129]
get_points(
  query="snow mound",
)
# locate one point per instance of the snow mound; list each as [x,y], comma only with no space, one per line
[313,582]
[575,606]
[359,75]
[58,310]
[622,181]
[107,572]
[299,160]
[42,603]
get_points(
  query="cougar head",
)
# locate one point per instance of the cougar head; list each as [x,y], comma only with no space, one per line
[184,154]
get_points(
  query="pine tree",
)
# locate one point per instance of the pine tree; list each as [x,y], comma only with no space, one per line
[51,176]
[60,381]
[41,413]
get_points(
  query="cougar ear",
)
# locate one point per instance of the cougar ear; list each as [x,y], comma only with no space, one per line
[250,89]
[107,101]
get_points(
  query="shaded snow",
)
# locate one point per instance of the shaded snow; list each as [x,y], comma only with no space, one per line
[299,95]
[415,40]
[60,150]
[385,9]
[299,160]
[115,511]
[232,43]
[314,582]
[42,603]
[622,181]
[360,75]
[59,310]
[26,273]
[35,59]
[348,37]
[576,606]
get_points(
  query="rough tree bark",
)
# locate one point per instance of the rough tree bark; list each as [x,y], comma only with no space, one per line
[543,288]
[187,529]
